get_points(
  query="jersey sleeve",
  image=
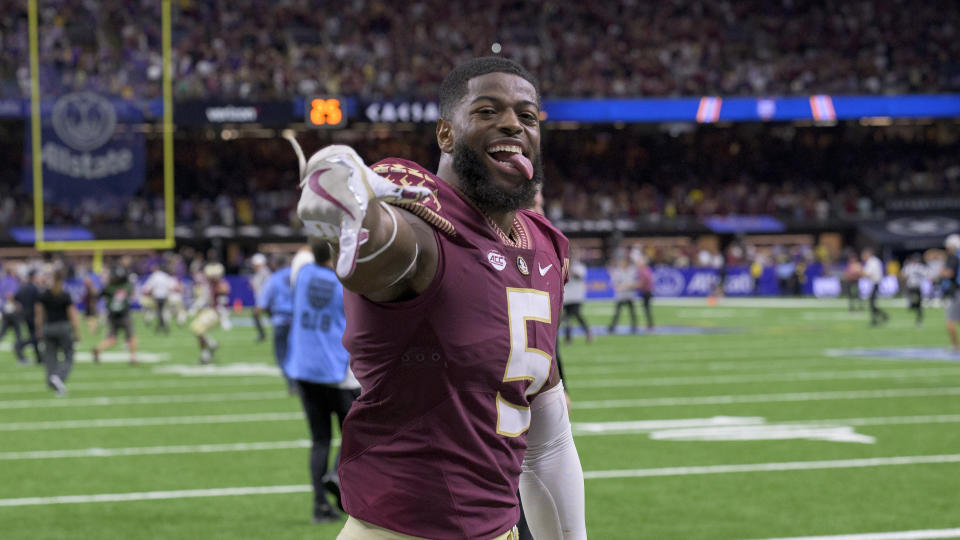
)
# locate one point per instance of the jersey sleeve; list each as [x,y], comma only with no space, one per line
[408,173]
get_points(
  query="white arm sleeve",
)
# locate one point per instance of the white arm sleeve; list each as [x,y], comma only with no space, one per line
[551,484]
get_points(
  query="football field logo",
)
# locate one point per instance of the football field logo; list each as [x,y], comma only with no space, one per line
[84,120]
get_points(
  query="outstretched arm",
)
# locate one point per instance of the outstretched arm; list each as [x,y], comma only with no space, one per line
[551,484]
[383,252]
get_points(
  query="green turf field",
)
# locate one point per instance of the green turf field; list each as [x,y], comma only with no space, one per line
[763,431]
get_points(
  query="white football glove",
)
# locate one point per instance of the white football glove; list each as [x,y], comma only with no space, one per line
[337,188]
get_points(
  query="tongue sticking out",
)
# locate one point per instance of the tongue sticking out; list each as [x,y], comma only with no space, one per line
[522,164]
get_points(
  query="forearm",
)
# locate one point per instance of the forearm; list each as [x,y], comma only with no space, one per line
[391,255]
[551,485]
[74,320]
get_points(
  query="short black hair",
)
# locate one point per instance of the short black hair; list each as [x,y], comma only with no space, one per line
[454,86]
[321,250]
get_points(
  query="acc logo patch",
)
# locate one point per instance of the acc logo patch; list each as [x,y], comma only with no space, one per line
[84,121]
[319,292]
[496,259]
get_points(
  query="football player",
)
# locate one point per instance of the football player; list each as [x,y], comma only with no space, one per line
[453,296]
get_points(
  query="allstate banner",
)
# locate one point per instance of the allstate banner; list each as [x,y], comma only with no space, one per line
[674,282]
[91,150]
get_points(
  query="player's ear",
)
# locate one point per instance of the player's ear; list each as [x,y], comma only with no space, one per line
[445,136]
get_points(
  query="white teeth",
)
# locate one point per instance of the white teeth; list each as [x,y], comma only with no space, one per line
[504,148]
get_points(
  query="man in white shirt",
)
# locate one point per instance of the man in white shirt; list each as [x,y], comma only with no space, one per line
[914,273]
[574,293]
[158,287]
[873,271]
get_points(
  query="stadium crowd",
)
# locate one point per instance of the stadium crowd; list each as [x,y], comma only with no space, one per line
[380,49]
[811,174]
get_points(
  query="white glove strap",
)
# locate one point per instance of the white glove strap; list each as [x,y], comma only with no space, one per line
[551,484]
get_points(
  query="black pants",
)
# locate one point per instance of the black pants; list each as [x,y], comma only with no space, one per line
[616,315]
[161,320]
[572,311]
[645,296]
[31,339]
[58,338]
[281,334]
[915,297]
[319,402]
[877,315]
[12,321]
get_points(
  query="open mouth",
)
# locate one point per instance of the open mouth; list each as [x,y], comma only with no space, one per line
[510,159]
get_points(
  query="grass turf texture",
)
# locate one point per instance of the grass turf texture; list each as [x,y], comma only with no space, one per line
[771,354]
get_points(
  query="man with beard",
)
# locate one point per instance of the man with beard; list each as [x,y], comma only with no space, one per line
[453,296]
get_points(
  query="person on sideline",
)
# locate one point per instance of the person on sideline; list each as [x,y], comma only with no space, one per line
[58,326]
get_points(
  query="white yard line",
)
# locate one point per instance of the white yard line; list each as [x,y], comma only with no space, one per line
[581,429]
[905,373]
[139,400]
[144,383]
[589,475]
[156,495]
[767,398]
[158,421]
[158,450]
[924,534]
[774,467]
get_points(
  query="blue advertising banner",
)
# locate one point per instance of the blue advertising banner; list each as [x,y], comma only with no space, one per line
[91,150]
[678,282]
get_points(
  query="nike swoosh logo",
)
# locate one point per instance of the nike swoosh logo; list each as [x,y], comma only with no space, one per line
[543,271]
[315,187]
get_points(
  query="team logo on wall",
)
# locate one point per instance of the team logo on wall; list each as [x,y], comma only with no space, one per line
[84,121]
[496,259]
[319,292]
[923,226]
[668,282]
[522,265]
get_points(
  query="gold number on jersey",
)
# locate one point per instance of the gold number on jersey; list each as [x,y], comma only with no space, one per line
[525,362]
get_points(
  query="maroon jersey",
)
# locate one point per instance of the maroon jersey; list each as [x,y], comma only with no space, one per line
[433,445]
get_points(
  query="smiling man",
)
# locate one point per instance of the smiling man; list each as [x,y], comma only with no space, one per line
[453,298]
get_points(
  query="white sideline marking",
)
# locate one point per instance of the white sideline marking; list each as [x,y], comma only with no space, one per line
[773,467]
[767,398]
[121,357]
[924,534]
[580,429]
[729,428]
[590,475]
[138,400]
[771,377]
[239,369]
[157,450]
[160,421]
[133,384]
[156,495]
[646,426]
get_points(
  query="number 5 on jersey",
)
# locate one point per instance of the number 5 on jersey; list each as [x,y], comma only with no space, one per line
[524,362]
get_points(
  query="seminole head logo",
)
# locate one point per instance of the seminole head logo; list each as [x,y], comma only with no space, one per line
[84,121]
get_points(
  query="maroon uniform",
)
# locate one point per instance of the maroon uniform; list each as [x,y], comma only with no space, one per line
[433,445]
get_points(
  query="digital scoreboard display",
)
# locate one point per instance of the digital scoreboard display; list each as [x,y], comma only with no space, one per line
[326,112]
